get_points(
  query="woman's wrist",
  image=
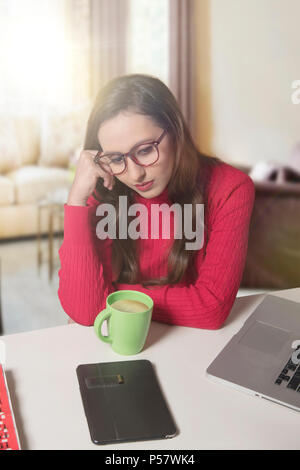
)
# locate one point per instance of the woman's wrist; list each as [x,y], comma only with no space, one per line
[76,202]
[76,199]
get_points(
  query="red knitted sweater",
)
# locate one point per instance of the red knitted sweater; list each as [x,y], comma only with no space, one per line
[201,301]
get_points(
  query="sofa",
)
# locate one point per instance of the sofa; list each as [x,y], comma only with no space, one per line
[35,154]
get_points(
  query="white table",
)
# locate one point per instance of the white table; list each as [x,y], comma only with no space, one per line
[42,380]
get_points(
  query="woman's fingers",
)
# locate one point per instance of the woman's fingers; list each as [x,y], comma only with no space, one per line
[108,178]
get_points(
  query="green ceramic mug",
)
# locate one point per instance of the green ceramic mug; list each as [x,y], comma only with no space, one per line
[127,331]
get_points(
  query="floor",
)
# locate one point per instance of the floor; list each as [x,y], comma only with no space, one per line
[29,300]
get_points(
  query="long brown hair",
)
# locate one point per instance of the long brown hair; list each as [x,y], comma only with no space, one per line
[149,96]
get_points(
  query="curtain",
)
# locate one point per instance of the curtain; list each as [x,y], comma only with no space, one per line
[108,41]
[78,26]
[58,53]
[182,56]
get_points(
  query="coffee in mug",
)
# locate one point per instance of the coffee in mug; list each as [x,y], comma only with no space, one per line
[128,314]
[129,306]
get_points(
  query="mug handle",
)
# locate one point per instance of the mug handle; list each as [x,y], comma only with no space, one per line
[101,317]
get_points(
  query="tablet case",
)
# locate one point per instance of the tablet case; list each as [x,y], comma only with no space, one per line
[123,402]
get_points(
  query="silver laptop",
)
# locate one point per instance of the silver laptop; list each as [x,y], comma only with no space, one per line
[263,358]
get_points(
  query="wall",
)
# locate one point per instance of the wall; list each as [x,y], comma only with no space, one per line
[248,55]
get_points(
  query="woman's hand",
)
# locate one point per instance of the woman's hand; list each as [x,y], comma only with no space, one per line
[86,177]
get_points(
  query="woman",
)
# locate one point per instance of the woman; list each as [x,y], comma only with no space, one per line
[138,147]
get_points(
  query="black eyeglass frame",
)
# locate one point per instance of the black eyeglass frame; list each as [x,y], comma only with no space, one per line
[97,158]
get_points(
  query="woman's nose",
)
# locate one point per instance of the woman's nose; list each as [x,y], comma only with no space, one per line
[135,172]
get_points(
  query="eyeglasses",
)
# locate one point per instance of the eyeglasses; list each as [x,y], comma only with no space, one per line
[145,154]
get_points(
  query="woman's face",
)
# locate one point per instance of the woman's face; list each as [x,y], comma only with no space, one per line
[121,134]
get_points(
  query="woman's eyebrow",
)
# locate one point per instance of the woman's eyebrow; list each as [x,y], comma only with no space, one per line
[138,143]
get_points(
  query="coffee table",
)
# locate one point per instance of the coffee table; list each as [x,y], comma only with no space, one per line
[53,206]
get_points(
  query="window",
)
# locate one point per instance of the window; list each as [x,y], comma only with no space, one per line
[148,38]
[44,47]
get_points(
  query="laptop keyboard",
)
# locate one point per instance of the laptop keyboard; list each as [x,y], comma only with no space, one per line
[290,375]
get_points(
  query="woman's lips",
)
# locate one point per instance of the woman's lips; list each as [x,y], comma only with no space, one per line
[145,186]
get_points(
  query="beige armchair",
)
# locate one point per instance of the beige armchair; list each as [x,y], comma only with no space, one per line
[34,159]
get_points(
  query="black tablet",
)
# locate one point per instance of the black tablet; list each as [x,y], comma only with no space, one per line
[124,402]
